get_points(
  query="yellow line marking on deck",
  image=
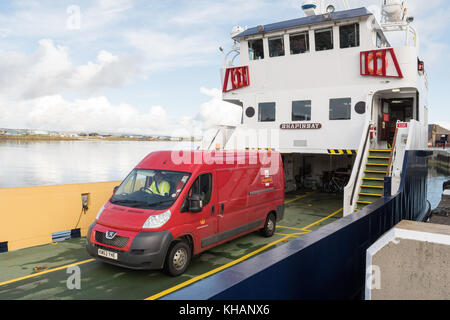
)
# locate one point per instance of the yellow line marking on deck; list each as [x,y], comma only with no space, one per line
[323,219]
[299,197]
[232,263]
[293,234]
[204,275]
[290,228]
[45,272]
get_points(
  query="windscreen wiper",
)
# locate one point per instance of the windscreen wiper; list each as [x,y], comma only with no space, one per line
[127,201]
[160,202]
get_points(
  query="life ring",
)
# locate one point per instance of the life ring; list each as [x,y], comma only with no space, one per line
[379,55]
[238,72]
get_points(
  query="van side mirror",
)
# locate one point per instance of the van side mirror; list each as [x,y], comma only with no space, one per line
[195,203]
[115,189]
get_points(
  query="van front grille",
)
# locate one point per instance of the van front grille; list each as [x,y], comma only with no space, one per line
[117,241]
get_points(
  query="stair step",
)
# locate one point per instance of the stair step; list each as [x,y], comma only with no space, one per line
[375,175]
[374,183]
[363,202]
[371,186]
[377,164]
[378,157]
[376,168]
[380,150]
[368,198]
[370,194]
[378,161]
[378,192]
[373,179]
[374,171]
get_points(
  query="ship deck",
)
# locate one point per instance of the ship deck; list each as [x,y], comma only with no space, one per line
[42,272]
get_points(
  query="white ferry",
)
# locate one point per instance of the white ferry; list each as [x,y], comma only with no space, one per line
[331,94]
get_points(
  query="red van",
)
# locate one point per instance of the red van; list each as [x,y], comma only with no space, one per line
[176,204]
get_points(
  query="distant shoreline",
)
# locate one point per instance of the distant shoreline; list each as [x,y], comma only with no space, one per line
[58,138]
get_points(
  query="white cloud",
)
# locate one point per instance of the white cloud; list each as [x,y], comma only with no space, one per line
[50,71]
[216,111]
[163,50]
[92,114]
[98,114]
[49,18]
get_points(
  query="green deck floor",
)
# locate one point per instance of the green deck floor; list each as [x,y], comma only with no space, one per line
[103,281]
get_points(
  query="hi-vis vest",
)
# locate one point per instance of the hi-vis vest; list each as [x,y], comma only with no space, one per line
[162,189]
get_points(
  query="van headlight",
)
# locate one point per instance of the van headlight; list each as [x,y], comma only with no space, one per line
[99,213]
[156,221]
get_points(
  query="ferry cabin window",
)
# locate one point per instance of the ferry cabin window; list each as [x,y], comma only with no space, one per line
[276,47]
[349,35]
[266,111]
[324,39]
[299,43]
[301,110]
[255,49]
[379,40]
[340,109]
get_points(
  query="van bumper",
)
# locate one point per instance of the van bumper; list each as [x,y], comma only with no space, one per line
[146,252]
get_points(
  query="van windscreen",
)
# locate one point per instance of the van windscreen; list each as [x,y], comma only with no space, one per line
[150,189]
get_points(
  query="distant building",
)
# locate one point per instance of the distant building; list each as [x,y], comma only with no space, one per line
[437,136]
[39,132]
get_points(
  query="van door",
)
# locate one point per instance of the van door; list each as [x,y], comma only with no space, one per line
[205,221]
[232,202]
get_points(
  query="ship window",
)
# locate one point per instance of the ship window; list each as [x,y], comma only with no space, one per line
[276,46]
[301,110]
[340,109]
[299,42]
[255,49]
[266,111]
[379,40]
[349,35]
[324,39]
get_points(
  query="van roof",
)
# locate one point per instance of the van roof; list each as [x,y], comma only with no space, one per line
[192,161]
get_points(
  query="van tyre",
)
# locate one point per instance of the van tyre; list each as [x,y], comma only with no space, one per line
[269,226]
[178,258]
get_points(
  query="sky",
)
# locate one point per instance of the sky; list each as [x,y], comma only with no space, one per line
[152,67]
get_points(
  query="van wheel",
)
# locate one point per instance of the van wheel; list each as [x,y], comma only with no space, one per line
[269,226]
[178,258]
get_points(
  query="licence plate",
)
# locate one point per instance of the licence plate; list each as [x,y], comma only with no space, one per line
[107,254]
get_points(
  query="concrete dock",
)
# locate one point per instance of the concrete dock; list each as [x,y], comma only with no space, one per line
[410,262]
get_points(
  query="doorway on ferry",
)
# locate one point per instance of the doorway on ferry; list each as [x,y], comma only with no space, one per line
[393,110]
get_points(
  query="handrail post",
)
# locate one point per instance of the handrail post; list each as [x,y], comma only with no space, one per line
[389,169]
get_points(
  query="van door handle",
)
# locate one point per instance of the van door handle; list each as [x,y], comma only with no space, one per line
[212,210]
[222,207]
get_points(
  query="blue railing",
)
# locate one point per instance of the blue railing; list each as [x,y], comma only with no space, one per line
[329,263]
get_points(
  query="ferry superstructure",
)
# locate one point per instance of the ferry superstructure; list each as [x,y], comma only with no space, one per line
[329,91]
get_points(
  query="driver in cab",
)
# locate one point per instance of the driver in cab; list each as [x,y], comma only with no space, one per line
[159,185]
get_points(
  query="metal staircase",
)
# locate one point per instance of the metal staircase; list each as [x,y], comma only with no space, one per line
[372,186]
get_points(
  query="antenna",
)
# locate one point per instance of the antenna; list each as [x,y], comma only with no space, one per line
[315,7]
